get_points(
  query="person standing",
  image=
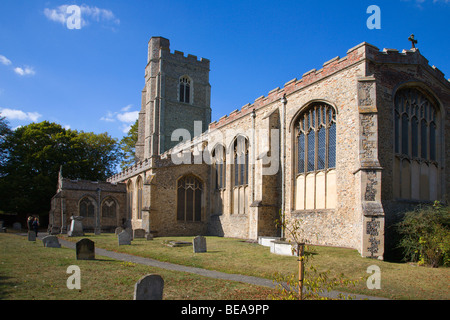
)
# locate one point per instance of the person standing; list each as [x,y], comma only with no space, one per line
[35,225]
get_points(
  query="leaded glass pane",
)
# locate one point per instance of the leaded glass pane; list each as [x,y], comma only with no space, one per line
[187,93]
[433,142]
[405,140]
[415,137]
[332,146]
[181,92]
[321,151]
[424,140]
[397,132]
[301,153]
[311,150]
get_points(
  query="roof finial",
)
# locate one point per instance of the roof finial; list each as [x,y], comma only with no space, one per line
[413,41]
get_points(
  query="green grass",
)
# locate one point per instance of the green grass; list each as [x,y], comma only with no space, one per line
[28,271]
[398,280]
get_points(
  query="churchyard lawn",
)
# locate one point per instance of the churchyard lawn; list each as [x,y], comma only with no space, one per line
[30,271]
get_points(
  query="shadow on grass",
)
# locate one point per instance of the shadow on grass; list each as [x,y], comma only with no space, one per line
[5,284]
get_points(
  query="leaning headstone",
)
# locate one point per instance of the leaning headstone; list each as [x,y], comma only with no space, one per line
[130,232]
[51,242]
[199,244]
[31,236]
[118,230]
[124,238]
[85,249]
[17,226]
[149,287]
[76,227]
[138,233]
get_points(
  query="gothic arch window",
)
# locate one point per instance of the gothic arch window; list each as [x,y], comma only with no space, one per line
[315,157]
[185,89]
[219,164]
[189,199]
[129,199]
[240,175]
[219,174]
[139,199]
[87,207]
[109,208]
[416,164]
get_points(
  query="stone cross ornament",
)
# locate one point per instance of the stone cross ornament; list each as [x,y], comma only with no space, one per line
[413,41]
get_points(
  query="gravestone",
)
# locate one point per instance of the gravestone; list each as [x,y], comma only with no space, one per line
[31,236]
[149,236]
[138,233]
[51,242]
[199,244]
[17,226]
[149,287]
[76,227]
[118,230]
[85,249]
[124,238]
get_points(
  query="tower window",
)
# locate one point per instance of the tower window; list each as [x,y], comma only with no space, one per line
[185,89]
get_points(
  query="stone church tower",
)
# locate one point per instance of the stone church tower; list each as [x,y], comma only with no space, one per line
[176,94]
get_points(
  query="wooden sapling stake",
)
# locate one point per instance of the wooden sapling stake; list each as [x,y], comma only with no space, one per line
[301,256]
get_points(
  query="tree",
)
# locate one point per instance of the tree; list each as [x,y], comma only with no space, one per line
[29,174]
[127,146]
[5,131]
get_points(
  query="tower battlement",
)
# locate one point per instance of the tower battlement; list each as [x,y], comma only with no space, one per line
[159,47]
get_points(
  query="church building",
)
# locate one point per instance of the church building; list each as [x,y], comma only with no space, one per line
[344,150]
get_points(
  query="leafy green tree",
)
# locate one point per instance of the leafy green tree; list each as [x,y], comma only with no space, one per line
[4,132]
[29,174]
[127,146]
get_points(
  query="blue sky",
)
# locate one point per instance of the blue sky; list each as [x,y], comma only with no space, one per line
[90,79]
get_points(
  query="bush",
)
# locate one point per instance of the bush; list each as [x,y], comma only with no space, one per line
[425,235]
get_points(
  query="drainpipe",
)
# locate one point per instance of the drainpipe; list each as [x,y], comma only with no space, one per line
[282,147]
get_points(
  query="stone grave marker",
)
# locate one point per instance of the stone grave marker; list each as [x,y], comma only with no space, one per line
[17,226]
[138,233]
[76,227]
[118,230]
[85,249]
[199,244]
[51,242]
[124,238]
[149,287]
[31,236]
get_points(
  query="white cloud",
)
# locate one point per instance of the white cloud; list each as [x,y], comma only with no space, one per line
[128,107]
[128,117]
[13,114]
[87,14]
[4,60]
[26,71]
